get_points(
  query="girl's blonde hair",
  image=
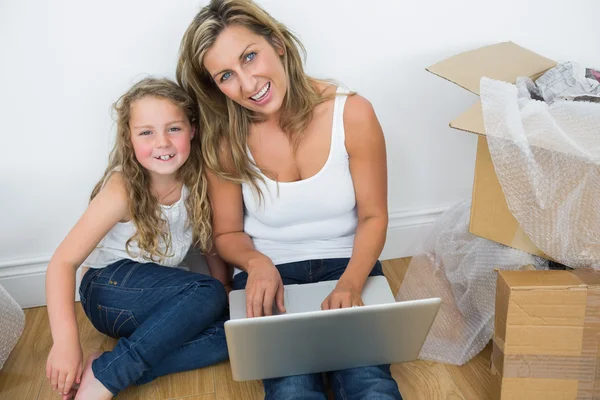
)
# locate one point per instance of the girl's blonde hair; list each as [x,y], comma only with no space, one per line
[225,124]
[144,208]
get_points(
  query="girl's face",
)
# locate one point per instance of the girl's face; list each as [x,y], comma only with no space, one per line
[161,134]
[248,70]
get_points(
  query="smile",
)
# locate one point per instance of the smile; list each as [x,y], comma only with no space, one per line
[166,157]
[262,93]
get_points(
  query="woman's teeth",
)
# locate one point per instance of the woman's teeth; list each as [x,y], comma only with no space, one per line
[258,96]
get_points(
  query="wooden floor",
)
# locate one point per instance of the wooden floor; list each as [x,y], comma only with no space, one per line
[23,375]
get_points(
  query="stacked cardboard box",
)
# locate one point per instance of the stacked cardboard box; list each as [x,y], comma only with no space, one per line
[547,335]
[546,340]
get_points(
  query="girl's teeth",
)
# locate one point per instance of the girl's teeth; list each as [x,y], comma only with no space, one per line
[165,158]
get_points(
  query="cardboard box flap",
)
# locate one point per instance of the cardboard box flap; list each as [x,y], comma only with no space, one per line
[589,277]
[527,280]
[471,120]
[503,61]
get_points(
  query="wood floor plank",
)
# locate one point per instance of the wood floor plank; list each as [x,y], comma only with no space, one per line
[394,270]
[228,389]
[425,380]
[210,396]
[184,384]
[24,372]
[474,378]
[23,375]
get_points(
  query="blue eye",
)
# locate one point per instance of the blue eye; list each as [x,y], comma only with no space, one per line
[225,76]
[250,56]
[145,133]
[174,129]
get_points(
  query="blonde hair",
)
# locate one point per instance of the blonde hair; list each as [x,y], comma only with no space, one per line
[226,124]
[144,208]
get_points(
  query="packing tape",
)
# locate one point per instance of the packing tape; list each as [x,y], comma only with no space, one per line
[584,368]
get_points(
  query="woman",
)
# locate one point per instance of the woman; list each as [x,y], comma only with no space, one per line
[298,174]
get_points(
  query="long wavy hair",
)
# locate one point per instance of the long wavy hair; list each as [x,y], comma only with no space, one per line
[145,211]
[225,123]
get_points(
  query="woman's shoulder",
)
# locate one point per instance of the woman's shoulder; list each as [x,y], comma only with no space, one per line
[360,120]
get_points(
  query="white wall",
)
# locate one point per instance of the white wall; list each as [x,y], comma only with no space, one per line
[64,62]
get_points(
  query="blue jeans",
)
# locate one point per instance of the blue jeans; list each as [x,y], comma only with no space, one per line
[357,383]
[167,320]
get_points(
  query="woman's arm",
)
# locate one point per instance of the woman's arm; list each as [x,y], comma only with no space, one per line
[103,212]
[264,285]
[219,269]
[365,144]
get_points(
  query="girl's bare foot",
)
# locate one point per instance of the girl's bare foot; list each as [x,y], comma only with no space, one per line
[90,388]
[71,393]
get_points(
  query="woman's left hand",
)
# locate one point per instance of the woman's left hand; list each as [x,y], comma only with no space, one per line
[344,295]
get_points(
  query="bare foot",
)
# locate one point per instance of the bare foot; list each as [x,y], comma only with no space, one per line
[71,393]
[90,388]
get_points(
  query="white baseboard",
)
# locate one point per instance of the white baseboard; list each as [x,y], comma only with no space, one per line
[25,279]
[407,230]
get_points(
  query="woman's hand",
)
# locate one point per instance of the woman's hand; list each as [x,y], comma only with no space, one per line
[263,288]
[344,295]
[64,366]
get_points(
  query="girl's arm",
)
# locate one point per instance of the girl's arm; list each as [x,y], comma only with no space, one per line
[365,144]
[108,208]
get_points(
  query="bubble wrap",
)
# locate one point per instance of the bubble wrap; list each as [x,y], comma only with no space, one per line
[458,267]
[12,322]
[547,158]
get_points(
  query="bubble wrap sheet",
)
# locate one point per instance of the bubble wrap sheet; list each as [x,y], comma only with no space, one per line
[11,326]
[458,267]
[547,158]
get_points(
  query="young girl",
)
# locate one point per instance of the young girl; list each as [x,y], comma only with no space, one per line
[297,180]
[150,206]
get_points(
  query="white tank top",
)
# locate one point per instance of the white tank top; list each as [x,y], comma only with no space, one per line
[112,247]
[314,218]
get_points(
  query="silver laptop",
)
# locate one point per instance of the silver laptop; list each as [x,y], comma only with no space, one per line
[306,339]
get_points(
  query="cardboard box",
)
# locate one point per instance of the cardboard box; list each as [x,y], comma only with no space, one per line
[490,216]
[547,335]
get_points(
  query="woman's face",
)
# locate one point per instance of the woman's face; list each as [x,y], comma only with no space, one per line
[248,70]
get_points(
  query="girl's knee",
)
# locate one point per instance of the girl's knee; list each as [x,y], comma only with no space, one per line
[212,292]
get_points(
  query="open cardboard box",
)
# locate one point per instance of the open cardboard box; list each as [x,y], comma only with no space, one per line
[490,216]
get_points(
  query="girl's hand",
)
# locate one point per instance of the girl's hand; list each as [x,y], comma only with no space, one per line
[263,288]
[344,295]
[64,366]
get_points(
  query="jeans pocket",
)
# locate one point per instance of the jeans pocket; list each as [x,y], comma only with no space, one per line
[116,322]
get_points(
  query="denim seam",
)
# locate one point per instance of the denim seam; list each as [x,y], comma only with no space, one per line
[203,337]
[120,326]
[148,332]
[136,266]
[125,289]
[342,392]
[114,323]
[107,385]
[115,271]
[121,311]
[87,280]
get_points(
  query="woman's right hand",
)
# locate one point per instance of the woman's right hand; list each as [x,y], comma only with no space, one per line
[263,288]
[64,366]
